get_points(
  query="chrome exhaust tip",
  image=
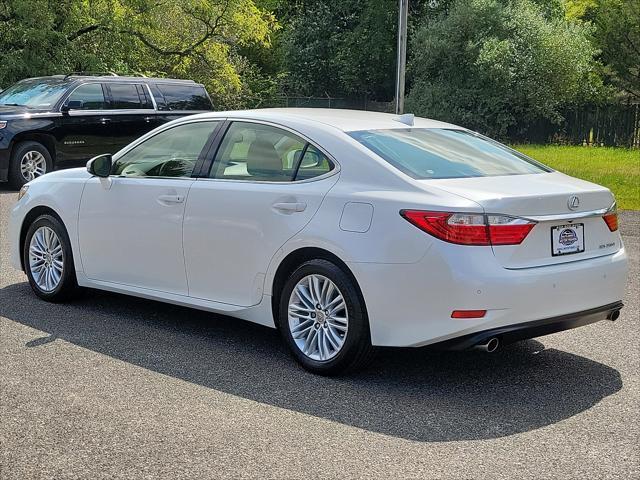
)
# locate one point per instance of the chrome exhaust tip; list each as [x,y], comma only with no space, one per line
[489,346]
[613,316]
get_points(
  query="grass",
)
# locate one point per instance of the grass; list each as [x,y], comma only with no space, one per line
[616,168]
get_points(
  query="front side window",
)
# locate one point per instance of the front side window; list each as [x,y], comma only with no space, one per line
[425,153]
[126,96]
[35,93]
[90,95]
[170,153]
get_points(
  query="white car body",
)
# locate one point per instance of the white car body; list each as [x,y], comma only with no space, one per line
[220,247]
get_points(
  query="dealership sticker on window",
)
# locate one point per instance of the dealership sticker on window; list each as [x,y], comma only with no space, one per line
[566,239]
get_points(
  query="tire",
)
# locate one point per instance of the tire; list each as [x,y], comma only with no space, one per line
[325,355]
[34,156]
[37,264]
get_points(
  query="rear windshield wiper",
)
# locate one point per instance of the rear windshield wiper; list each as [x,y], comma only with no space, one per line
[12,104]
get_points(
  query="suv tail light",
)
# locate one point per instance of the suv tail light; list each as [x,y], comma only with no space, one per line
[611,218]
[471,228]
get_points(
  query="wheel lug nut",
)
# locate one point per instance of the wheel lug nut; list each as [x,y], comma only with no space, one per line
[313,315]
[318,306]
[317,326]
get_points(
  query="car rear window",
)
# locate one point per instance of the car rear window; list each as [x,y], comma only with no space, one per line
[424,153]
[185,97]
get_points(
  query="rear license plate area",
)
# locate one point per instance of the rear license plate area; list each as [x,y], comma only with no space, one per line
[567,239]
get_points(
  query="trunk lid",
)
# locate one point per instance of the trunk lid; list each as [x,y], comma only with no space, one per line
[545,198]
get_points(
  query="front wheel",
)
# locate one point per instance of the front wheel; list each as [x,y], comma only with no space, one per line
[29,160]
[323,319]
[48,260]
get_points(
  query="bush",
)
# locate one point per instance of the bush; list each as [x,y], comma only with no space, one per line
[494,66]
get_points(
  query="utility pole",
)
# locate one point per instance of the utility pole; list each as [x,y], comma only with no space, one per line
[402,54]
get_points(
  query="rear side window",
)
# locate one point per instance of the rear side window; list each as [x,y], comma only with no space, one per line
[127,96]
[184,97]
[424,153]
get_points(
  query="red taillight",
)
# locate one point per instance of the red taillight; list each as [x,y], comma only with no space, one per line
[468,313]
[611,219]
[471,228]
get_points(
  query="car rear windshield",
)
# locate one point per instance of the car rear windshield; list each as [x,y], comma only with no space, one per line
[34,93]
[445,153]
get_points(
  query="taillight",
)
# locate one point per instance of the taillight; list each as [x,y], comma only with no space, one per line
[611,218]
[471,228]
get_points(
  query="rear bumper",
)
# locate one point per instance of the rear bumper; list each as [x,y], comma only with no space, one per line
[537,328]
[410,305]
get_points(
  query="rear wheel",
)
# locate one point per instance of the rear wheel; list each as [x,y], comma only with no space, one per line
[323,319]
[29,160]
[48,260]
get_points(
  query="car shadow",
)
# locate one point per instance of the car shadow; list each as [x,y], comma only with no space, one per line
[408,393]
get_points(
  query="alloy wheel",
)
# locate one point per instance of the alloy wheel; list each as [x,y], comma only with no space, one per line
[32,165]
[46,259]
[318,317]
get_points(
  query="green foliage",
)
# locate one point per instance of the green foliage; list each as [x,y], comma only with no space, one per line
[198,39]
[340,47]
[496,65]
[617,36]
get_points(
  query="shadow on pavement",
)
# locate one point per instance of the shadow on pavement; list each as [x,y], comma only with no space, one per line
[406,393]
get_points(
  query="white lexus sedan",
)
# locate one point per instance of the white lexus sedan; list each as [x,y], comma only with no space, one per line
[344,230]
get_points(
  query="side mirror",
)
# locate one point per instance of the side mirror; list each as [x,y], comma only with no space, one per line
[72,105]
[100,166]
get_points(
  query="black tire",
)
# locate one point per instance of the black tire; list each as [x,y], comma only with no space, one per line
[357,350]
[16,178]
[67,286]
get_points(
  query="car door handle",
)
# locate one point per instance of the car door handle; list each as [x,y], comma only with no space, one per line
[171,199]
[104,121]
[290,207]
[147,119]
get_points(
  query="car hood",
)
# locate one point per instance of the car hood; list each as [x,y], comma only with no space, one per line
[11,111]
[63,175]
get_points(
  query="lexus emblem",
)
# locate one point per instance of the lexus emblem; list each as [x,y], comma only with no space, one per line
[573,203]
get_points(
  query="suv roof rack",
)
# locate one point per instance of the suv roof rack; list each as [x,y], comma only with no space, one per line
[91,74]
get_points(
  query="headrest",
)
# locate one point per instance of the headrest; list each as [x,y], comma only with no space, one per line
[263,160]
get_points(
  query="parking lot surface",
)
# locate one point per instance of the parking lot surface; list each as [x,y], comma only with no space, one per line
[116,387]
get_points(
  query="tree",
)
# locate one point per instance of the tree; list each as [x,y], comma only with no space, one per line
[617,37]
[498,65]
[198,39]
[340,47]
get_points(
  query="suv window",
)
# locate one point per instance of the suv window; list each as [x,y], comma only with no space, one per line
[170,153]
[184,97]
[35,93]
[126,96]
[91,96]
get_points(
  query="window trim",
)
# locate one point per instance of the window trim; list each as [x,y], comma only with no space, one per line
[169,126]
[211,155]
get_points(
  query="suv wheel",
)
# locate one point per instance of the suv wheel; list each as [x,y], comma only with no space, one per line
[323,319]
[29,160]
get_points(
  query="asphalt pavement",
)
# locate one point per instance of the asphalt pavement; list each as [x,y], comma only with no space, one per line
[111,386]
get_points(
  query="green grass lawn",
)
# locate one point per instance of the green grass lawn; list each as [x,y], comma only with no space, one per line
[616,168]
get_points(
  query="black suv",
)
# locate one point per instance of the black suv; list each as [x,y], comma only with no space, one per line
[61,121]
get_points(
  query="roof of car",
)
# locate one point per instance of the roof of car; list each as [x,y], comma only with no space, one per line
[345,120]
[113,78]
